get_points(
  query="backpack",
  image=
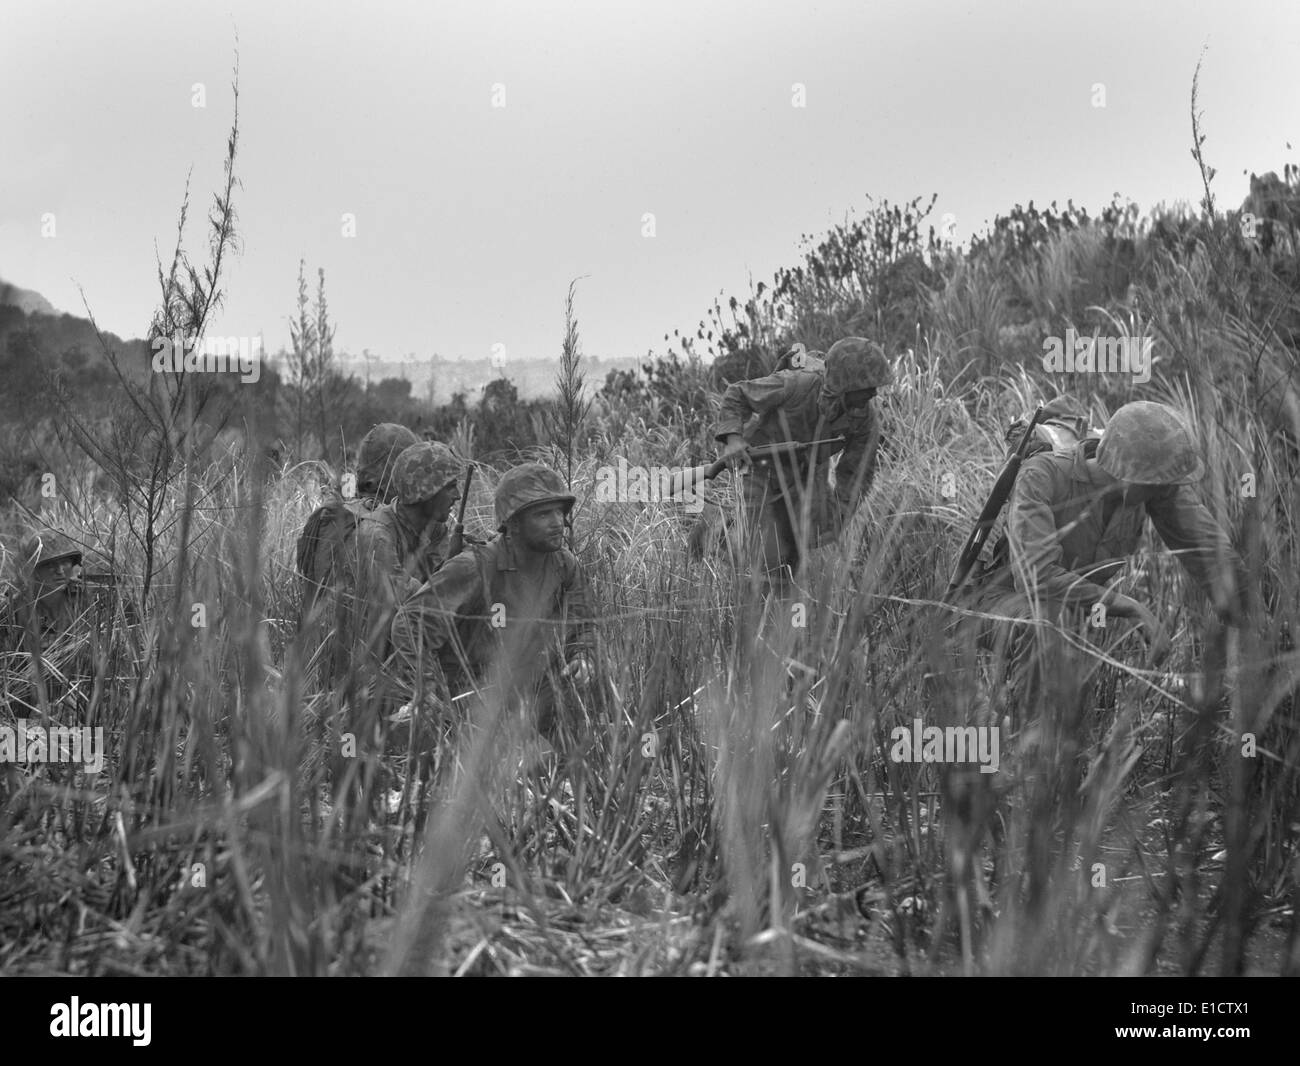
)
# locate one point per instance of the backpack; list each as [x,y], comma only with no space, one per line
[1056,427]
[320,545]
[1048,437]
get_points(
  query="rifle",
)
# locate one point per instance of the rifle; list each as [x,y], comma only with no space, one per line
[998,497]
[694,475]
[457,540]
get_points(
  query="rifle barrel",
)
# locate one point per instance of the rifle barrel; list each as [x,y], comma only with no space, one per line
[988,515]
[464,496]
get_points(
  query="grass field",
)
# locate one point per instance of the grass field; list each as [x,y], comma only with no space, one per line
[733,809]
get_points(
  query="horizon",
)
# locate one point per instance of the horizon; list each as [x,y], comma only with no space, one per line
[472,219]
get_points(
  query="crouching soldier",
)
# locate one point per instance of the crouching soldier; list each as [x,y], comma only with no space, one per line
[398,547]
[1076,517]
[58,624]
[515,611]
[329,530]
[52,598]
[395,549]
[817,410]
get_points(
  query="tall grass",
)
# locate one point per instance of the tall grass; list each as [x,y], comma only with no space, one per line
[755,830]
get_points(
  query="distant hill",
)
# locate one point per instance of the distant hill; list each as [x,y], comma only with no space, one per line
[434,380]
[26,300]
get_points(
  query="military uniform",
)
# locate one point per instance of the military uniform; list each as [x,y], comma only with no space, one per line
[481,612]
[800,406]
[392,559]
[394,553]
[40,610]
[1068,537]
[55,628]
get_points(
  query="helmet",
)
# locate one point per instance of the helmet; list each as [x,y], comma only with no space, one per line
[856,363]
[378,454]
[423,470]
[528,485]
[49,547]
[1149,444]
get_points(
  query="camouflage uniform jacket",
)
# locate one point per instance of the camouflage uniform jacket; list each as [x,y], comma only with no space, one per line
[391,559]
[479,605]
[785,407]
[47,619]
[1070,539]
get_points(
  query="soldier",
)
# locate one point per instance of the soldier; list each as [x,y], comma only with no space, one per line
[329,530]
[1076,517]
[65,621]
[396,548]
[52,597]
[817,401]
[519,603]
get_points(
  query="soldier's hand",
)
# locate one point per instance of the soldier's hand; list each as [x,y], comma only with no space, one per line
[1158,642]
[1121,606]
[736,453]
[580,671]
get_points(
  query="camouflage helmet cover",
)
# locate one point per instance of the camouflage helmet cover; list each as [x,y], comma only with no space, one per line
[526,486]
[856,363]
[49,546]
[423,470]
[377,457]
[1148,443]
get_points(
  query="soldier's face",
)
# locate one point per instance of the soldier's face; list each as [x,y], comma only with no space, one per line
[856,400]
[541,528]
[440,506]
[436,508]
[1137,495]
[57,575]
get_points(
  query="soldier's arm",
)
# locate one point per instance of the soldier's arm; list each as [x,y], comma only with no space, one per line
[743,399]
[382,583]
[426,622]
[1191,533]
[856,469]
[438,549]
[1036,552]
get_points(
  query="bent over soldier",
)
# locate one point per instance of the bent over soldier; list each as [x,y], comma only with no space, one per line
[1076,518]
[400,545]
[518,606]
[788,501]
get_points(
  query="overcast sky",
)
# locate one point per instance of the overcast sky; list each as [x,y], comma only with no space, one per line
[471,219]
